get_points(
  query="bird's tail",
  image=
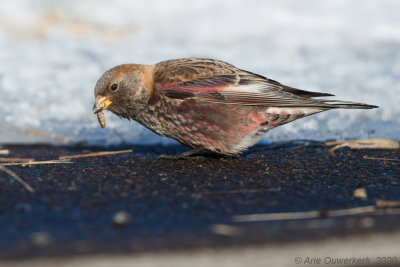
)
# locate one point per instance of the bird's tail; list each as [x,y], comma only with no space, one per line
[347,104]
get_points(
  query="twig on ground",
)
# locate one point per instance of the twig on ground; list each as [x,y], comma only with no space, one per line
[36,163]
[380,203]
[276,216]
[302,215]
[351,211]
[16,159]
[387,159]
[365,144]
[18,179]
[95,154]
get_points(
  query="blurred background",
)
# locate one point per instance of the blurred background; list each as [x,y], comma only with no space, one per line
[53,52]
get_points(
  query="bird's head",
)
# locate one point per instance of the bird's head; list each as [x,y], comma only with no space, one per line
[123,88]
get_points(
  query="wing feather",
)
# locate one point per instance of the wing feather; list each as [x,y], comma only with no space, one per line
[216,81]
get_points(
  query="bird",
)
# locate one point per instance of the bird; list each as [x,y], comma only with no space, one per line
[206,104]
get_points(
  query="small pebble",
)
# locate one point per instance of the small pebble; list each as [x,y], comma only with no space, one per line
[367,222]
[227,230]
[121,219]
[41,239]
[4,151]
[360,193]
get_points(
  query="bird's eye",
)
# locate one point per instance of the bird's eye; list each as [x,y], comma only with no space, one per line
[114,87]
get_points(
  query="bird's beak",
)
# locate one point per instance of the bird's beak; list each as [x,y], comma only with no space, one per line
[101,104]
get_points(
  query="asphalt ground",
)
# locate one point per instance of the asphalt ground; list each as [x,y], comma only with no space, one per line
[134,204]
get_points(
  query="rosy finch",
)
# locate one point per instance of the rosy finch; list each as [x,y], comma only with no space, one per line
[206,104]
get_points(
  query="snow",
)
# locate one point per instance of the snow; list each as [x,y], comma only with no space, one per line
[53,52]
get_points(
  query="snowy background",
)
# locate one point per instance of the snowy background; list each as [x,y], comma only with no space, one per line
[53,52]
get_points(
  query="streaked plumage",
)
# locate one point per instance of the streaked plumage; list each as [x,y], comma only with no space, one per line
[206,104]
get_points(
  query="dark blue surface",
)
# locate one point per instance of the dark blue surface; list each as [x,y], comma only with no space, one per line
[174,204]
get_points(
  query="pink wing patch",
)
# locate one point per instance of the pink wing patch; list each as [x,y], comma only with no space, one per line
[243,91]
[197,87]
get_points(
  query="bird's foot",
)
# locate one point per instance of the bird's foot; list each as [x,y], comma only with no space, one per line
[183,155]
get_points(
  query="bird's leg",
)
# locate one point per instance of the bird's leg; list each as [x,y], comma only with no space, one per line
[182,155]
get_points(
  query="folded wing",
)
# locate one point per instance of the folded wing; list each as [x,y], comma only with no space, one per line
[216,81]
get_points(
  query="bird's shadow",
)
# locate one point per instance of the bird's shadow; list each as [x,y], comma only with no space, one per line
[176,149]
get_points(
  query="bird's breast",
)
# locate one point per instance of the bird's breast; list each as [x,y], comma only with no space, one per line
[218,127]
[214,126]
